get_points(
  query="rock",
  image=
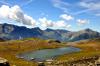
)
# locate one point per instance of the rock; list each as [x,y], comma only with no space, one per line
[54,41]
[4,62]
[41,64]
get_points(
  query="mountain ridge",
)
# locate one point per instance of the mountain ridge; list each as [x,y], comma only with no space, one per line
[9,31]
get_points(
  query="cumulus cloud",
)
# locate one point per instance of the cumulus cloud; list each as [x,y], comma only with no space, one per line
[4,11]
[66,17]
[16,13]
[82,21]
[45,23]
[62,24]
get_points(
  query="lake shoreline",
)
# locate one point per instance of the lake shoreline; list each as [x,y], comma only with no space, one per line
[69,48]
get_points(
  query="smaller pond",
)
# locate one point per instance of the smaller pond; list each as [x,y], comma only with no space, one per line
[45,54]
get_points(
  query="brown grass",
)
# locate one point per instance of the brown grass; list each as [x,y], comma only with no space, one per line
[10,49]
[88,48]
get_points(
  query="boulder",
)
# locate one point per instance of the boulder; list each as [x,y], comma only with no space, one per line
[4,62]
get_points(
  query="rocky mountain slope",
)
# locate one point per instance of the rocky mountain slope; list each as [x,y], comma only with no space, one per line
[8,31]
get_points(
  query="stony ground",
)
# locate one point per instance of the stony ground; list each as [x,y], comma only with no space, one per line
[89,56]
[89,61]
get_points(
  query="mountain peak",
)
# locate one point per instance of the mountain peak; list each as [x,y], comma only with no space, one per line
[10,31]
[88,29]
[36,28]
[48,29]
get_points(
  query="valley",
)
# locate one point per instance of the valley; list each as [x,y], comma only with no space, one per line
[9,50]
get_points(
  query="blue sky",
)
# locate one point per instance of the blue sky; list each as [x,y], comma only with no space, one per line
[57,14]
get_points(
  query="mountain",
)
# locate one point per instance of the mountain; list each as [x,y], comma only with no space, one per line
[84,34]
[9,31]
[55,34]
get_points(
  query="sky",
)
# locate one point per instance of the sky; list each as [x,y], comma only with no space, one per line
[71,15]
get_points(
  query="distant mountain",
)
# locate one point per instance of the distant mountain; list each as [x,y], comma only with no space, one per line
[8,31]
[54,34]
[84,34]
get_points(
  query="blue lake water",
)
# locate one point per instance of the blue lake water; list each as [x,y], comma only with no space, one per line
[45,54]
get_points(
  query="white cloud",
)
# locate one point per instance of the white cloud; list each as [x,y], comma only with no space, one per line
[61,5]
[97,14]
[90,6]
[4,11]
[45,23]
[61,24]
[16,13]
[25,2]
[28,2]
[5,3]
[88,0]
[82,21]
[66,17]
[68,26]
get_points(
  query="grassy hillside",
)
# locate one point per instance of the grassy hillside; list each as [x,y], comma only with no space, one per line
[88,48]
[9,49]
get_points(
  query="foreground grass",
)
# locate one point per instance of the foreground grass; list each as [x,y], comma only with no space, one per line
[10,49]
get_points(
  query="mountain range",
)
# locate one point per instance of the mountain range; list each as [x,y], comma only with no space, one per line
[13,32]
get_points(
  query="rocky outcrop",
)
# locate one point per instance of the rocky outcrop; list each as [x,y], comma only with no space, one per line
[4,62]
[54,41]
